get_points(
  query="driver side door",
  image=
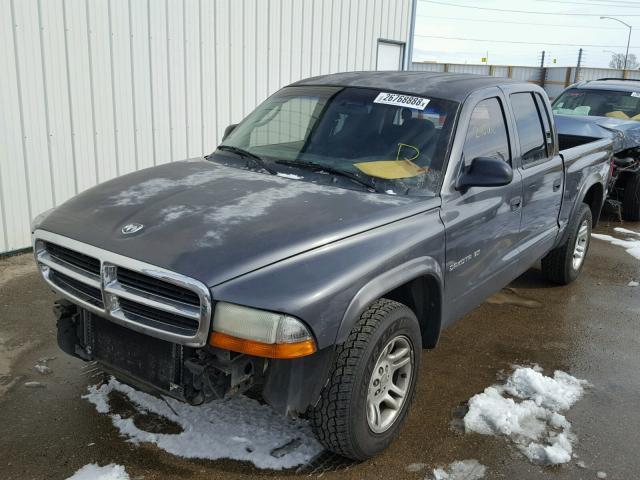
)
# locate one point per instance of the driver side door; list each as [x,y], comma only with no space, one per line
[482,224]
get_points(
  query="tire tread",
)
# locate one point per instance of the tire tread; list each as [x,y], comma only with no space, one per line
[328,417]
[556,265]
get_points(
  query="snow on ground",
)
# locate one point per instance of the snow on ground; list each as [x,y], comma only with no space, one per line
[631,244]
[94,472]
[526,409]
[238,428]
[461,470]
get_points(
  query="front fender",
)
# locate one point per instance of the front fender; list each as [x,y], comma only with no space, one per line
[320,285]
[384,283]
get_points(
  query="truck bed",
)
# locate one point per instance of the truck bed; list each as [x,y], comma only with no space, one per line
[583,157]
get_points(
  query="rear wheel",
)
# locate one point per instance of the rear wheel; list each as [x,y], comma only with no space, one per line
[563,264]
[372,383]
[631,199]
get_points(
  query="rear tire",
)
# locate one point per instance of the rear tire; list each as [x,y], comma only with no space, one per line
[563,264]
[631,199]
[365,374]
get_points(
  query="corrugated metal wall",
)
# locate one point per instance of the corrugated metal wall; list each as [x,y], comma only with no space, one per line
[90,90]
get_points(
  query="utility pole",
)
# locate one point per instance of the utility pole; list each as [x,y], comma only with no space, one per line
[542,60]
[575,79]
[543,73]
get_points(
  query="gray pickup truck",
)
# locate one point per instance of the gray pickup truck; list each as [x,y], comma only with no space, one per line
[330,238]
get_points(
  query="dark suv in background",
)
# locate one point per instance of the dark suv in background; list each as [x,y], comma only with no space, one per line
[617,102]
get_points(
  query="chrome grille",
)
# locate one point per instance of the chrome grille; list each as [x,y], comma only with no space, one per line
[140,296]
[77,288]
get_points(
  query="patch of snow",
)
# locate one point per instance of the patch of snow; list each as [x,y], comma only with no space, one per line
[581,464]
[461,470]
[290,175]
[626,230]
[238,428]
[631,245]
[601,475]
[34,385]
[93,471]
[526,409]
[43,369]
[390,192]
[415,467]
[633,283]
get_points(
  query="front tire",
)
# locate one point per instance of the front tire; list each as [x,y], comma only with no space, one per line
[372,383]
[631,199]
[563,264]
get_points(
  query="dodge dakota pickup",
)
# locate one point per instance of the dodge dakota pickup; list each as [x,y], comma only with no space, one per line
[329,238]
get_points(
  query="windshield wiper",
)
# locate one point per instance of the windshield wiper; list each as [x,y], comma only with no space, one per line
[247,154]
[336,171]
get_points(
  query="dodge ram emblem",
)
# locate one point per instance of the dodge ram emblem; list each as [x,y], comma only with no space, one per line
[131,228]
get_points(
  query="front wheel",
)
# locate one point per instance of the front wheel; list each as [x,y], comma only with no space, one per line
[563,264]
[372,383]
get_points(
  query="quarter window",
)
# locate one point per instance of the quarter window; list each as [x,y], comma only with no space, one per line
[487,133]
[546,122]
[530,132]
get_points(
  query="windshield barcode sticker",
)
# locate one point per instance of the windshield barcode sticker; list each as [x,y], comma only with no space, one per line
[399,100]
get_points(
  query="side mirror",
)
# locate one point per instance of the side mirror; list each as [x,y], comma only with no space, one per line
[228,130]
[485,172]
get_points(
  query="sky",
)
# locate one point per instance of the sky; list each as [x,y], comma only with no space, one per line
[464,31]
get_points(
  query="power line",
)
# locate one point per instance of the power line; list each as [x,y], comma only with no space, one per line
[522,43]
[527,11]
[563,25]
[621,3]
[591,4]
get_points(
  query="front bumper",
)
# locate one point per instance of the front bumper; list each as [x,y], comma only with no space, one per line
[193,375]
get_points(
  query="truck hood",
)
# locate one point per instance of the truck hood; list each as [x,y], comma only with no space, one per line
[213,223]
[624,134]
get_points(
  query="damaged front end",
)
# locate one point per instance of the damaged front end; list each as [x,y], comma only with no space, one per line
[193,375]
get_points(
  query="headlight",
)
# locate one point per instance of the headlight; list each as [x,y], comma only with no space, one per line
[260,333]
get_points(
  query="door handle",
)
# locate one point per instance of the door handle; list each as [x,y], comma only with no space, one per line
[557,184]
[515,203]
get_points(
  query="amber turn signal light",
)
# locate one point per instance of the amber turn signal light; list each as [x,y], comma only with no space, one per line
[259,349]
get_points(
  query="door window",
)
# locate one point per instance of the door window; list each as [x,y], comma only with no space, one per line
[530,132]
[487,132]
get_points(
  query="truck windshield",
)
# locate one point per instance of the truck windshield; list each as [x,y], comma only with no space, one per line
[391,141]
[598,103]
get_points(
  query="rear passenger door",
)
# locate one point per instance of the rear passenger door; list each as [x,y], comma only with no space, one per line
[542,174]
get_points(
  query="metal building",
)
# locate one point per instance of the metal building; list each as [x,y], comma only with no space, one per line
[93,89]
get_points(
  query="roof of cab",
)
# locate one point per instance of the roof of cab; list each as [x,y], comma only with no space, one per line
[448,86]
[619,85]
